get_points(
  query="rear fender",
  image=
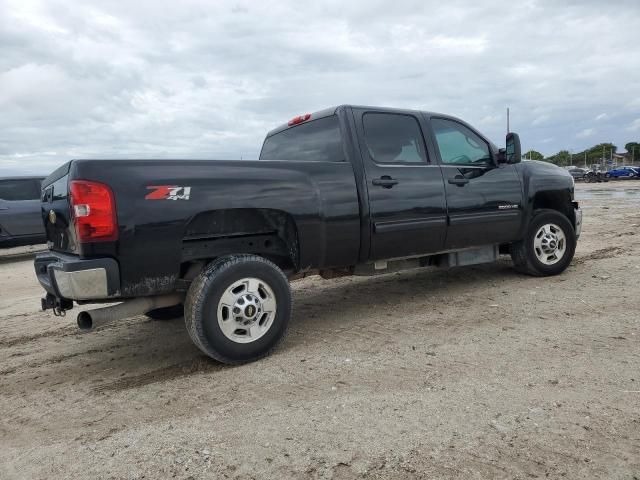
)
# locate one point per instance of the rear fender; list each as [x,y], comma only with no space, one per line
[266,232]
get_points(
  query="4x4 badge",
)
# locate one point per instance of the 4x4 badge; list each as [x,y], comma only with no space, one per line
[168,192]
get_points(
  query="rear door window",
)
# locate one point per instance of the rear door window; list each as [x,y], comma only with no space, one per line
[19,189]
[393,138]
[314,141]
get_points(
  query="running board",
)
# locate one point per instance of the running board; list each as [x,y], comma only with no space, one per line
[461,258]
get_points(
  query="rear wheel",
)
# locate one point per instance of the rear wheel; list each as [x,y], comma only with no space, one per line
[237,310]
[548,245]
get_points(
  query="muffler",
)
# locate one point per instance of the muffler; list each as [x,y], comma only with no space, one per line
[90,319]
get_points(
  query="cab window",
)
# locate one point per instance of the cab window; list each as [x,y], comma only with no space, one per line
[458,145]
[393,138]
[314,141]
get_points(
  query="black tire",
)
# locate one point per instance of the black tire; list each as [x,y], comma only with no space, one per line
[523,254]
[167,313]
[201,308]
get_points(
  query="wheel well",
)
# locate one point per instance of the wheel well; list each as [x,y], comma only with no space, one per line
[269,233]
[555,200]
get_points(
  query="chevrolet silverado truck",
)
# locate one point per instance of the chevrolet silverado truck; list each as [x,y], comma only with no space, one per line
[348,190]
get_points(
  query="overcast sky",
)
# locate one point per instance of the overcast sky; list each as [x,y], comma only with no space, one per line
[208,79]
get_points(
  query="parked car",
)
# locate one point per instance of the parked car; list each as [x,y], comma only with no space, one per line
[20,211]
[577,173]
[596,174]
[623,172]
[345,191]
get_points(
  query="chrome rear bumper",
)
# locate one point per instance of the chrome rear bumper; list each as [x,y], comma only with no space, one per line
[70,277]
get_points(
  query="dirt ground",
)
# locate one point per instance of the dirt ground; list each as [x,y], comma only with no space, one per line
[475,372]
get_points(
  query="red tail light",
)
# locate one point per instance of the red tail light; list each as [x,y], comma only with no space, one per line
[93,209]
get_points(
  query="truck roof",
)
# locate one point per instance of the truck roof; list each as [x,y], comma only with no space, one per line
[332,110]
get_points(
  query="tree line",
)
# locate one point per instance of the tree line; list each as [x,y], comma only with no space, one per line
[590,156]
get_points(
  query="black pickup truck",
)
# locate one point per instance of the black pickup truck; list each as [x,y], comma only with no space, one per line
[348,190]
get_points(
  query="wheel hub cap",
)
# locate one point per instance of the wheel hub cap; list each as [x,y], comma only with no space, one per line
[246,310]
[549,244]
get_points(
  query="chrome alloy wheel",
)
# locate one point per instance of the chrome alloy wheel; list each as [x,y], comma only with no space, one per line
[246,310]
[550,244]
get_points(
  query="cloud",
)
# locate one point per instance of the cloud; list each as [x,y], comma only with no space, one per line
[540,120]
[634,126]
[587,132]
[208,79]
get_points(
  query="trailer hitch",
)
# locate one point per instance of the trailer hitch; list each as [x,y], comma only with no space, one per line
[57,304]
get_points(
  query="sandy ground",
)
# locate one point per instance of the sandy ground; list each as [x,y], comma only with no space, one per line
[475,372]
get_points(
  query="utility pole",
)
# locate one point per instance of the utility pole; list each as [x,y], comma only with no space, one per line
[508,128]
[611,156]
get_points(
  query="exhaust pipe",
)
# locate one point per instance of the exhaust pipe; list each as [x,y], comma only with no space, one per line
[90,319]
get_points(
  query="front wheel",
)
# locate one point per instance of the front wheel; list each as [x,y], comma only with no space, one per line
[548,245]
[238,309]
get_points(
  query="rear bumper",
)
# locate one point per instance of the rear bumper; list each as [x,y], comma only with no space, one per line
[68,276]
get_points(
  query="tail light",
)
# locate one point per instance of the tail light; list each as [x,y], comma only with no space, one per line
[93,209]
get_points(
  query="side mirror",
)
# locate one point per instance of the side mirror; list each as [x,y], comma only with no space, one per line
[513,152]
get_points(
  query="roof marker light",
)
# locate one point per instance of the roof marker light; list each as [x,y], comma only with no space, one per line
[299,119]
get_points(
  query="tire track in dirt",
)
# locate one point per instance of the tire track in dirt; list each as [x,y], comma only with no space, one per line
[51,361]
[65,331]
[600,254]
[178,370]
[59,332]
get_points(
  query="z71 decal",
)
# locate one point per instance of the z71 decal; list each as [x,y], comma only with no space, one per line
[168,192]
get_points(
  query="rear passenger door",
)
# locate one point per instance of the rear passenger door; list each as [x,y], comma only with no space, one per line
[20,212]
[407,211]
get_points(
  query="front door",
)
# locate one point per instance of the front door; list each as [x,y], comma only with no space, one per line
[404,187]
[484,198]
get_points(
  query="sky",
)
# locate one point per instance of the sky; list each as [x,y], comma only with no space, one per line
[207,79]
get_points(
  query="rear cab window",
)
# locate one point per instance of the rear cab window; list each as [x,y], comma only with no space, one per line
[313,141]
[19,189]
